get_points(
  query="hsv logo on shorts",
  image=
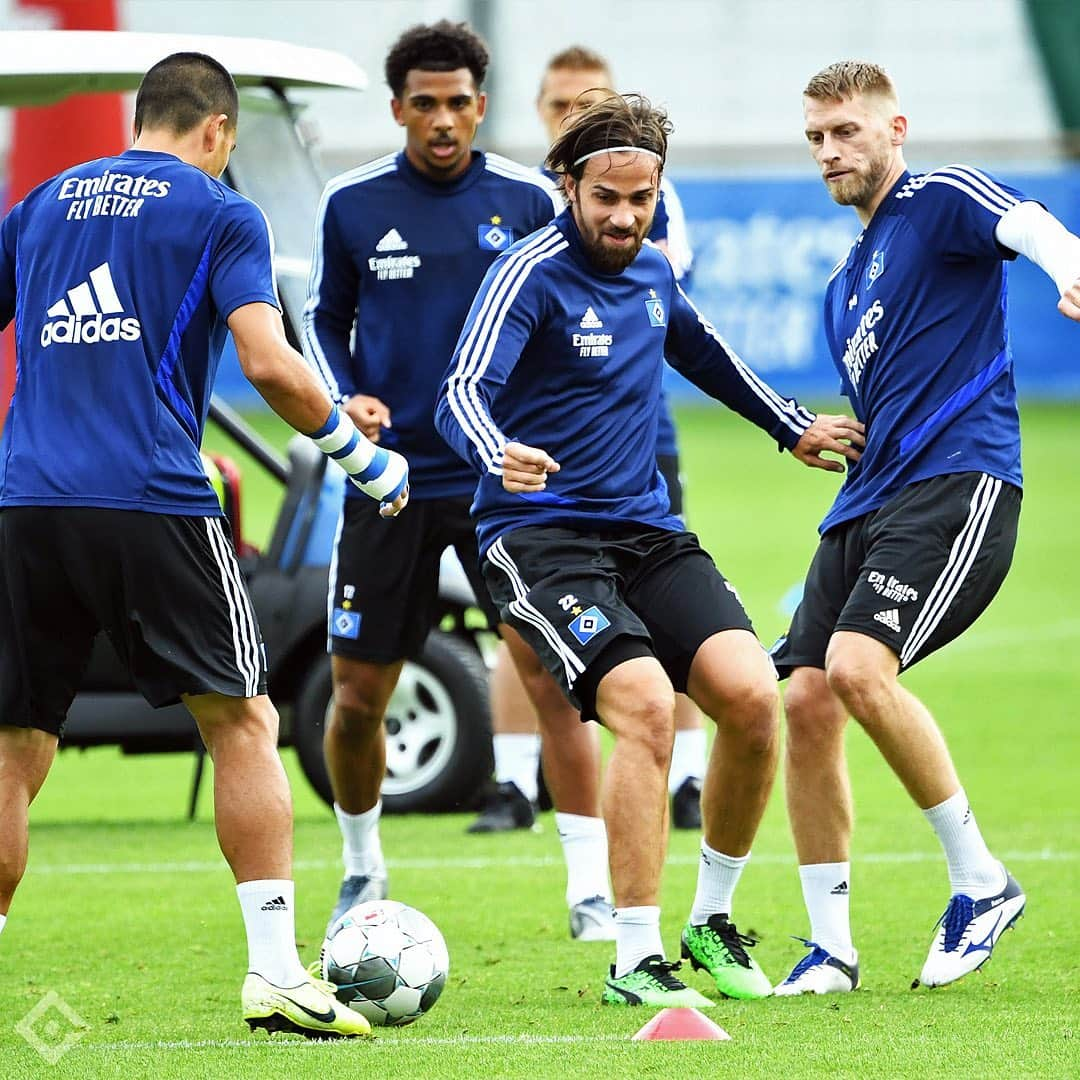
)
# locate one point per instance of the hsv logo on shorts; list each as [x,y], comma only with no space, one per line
[345,623]
[588,624]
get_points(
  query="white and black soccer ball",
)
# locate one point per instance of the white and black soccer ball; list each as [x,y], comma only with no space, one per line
[386,960]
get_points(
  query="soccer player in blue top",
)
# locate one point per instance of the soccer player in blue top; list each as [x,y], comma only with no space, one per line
[553,396]
[921,534]
[401,245]
[123,275]
[574,79]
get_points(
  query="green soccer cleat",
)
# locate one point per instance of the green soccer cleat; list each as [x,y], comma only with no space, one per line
[309,1009]
[652,983]
[718,948]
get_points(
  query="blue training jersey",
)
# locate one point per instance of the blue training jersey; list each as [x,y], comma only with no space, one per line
[558,355]
[669,225]
[916,322]
[120,274]
[401,257]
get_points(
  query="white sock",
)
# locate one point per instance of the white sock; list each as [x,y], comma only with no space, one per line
[637,935]
[517,758]
[687,758]
[267,907]
[3,919]
[973,871]
[826,888]
[584,845]
[361,847]
[718,874]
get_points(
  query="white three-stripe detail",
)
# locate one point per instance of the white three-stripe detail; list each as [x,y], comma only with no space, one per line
[479,347]
[961,558]
[524,610]
[312,346]
[244,633]
[794,416]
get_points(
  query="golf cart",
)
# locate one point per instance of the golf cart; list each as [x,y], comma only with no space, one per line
[438,726]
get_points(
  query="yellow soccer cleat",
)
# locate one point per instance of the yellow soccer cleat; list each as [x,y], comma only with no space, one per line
[309,1009]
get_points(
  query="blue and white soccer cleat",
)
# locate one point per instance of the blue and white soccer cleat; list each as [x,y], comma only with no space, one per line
[819,972]
[358,889]
[592,920]
[968,931]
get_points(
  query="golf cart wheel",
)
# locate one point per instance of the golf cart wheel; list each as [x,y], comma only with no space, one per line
[438,728]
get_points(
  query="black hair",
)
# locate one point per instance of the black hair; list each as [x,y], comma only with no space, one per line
[182,90]
[444,46]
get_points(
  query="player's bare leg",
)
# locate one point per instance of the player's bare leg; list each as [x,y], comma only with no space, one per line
[355,747]
[26,755]
[253,817]
[571,755]
[732,680]
[985,900]
[820,811]
[511,802]
[635,701]
[252,802]
[688,762]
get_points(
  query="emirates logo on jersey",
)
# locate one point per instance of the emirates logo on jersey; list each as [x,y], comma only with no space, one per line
[89,313]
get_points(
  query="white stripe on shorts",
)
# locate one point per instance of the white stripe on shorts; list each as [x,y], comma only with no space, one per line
[244,632]
[959,563]
[524,610]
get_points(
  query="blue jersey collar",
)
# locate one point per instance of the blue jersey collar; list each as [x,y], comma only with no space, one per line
[442,187]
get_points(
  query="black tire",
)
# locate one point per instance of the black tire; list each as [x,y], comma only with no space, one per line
[438,729]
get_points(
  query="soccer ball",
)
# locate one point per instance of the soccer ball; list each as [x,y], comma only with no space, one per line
[385,960]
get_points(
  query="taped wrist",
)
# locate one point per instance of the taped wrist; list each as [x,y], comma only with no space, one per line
[376,472]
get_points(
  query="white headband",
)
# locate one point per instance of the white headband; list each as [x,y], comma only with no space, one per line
[616,150]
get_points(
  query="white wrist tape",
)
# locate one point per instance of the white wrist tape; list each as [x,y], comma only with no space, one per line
[379,473]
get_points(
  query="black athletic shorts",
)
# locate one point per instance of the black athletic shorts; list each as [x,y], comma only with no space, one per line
[384,581]
[668,464]
[166,589]
[588,600]
[914,574]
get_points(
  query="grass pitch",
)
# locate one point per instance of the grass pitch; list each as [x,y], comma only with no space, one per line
[127,939]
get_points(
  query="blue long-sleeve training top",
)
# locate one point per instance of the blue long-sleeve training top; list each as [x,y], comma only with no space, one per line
[558,355]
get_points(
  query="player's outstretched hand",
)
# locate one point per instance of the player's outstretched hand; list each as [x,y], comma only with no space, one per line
[840,434]
[1069,304]
[526,468]
[392,509]
[369,414]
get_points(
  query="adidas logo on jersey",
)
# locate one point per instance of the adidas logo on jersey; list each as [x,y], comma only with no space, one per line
[590,320]
[90,314]
[890,618]
[392,241]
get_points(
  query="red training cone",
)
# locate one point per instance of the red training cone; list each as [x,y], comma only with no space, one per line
[684,1025]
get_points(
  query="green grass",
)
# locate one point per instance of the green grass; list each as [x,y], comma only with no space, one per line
[128,912]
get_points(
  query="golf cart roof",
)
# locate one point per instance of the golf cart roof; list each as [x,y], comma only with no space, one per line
[41,66]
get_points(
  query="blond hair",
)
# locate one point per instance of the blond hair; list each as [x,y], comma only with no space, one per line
[848,78]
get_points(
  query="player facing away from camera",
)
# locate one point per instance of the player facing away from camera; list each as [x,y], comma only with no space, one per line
[581,551]
[401,245]
[921,534]
[123,276]
[575,78]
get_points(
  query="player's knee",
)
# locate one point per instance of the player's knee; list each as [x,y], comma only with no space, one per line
[357,712]
[748,709]
[813,714]
[858,683]
[650,721]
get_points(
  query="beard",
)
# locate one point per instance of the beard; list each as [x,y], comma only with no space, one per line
[608,259]
[858,189]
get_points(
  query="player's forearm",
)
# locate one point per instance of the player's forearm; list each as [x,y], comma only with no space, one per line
[326,349]
[1031,230]
[459,423]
